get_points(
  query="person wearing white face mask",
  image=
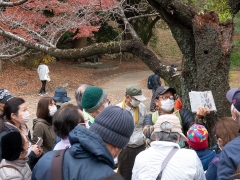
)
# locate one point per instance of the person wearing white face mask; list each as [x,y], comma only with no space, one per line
[164,100]
[14,118]
[14,153]
[132,103]
[42,126]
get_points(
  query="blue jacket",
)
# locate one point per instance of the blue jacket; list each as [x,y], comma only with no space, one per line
[211,173]
[206,156]
[229,160]
[87,159]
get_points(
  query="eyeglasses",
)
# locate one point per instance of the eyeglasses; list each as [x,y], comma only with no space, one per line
[166,97]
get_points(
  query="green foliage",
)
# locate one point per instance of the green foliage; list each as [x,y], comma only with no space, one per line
[221,7]
[47,58]
[236,21]
[235,55]
[106,33]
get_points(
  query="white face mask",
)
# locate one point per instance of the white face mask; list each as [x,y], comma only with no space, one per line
[52,110]
[135,103]
[25,117]
[167,105]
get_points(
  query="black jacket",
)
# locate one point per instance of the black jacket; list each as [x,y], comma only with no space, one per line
[156,82]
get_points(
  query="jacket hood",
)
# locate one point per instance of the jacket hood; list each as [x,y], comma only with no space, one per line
[85,143]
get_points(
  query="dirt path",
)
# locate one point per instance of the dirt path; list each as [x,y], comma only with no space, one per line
[114,87]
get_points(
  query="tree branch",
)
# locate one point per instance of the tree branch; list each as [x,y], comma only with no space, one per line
[143,15]
[14,55]
[177,9]
[133,46]
[10,4]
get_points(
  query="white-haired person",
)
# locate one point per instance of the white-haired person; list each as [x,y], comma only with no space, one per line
[164,159]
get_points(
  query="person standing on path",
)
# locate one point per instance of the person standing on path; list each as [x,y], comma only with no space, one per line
[132,103]
[156,84]
[43,76]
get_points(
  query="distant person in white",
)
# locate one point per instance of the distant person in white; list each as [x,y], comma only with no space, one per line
[183,165]
[43,76]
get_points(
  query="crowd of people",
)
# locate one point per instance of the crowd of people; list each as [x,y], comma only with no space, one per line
[97,140]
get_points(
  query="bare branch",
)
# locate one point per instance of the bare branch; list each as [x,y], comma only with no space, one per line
[14,55]
[143,15]
[10,4]
[177,9]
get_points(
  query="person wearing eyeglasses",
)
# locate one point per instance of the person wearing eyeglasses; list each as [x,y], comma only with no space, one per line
[164,99]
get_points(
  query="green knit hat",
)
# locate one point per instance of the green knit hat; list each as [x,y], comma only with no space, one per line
[93,98]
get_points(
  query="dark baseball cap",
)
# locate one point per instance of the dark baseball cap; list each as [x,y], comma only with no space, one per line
[5,96]
[162,89]
[236,99]
[230,94]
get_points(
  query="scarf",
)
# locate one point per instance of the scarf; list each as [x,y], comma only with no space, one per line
[136,109]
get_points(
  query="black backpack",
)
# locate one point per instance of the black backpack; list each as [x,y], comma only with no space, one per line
[150,81]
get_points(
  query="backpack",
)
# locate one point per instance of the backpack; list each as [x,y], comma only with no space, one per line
[150,82]
[57,163]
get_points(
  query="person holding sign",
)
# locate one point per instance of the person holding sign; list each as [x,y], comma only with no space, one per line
[165,99]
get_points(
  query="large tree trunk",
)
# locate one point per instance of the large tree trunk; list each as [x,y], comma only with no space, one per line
[212,56]
[206,45]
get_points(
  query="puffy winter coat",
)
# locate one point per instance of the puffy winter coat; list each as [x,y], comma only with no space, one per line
[88,158]
[23,173]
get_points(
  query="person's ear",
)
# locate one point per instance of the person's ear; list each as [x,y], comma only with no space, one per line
[157,102]
[13,116]
[235,114]
[220,143]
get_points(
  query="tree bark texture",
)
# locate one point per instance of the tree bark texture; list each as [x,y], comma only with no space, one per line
[206,45]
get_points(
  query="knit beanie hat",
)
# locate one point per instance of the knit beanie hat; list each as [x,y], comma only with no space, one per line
[197,136]
[93,98]
[11,146]
[114,125]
